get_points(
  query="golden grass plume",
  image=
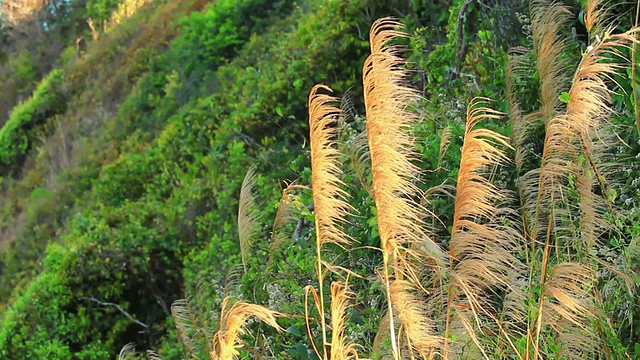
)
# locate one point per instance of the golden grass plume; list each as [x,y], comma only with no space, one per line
[415,317]
[482,250]
[232,321]
[341,348]
[286,205]
[329,199]
[389,119]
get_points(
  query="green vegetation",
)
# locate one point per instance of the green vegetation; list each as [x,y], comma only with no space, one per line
[440,225]
[26,119]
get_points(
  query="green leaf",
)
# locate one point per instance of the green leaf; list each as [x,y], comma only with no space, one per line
[564,97]
[294,330]
[279,111]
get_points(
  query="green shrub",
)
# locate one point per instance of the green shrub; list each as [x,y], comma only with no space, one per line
[21,130]
[100,10]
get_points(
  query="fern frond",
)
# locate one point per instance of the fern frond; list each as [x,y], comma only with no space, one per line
[248,220]
[232,321]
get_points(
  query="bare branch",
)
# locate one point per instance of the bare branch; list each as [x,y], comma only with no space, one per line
[118,307]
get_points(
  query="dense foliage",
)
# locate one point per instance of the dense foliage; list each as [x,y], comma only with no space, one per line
[123,164]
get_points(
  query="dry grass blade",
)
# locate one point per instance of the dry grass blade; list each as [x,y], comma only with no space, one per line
[232,321]
[279,233]
[568,308]
[387,102]
[390,141]
[589,94]
[548,18]
[481,249]
[232,280]
[634,70]
[361,160]
[414,316]
[341,349]
[593,209]
[592,15]
[587,114]
[523,135]
[329,200]
[571,136]
[382,334]
[248,221]
[152,355]
[183,319]
[475,196]
[127,351]
[518,66]
[445,142]
[513,72]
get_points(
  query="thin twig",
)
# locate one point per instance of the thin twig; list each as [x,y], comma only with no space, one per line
[460,46]
[118,307]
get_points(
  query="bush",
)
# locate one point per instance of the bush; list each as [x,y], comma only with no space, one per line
[21,130]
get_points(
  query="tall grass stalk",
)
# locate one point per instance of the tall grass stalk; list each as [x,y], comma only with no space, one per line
[329,200]
[400,220]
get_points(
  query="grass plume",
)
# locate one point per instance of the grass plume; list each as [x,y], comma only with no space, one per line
[248,221]
[341,349]
[481,251]
[279,232]
[415,317]
[232,321]
[548,18]
[329,200]
[389,118]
